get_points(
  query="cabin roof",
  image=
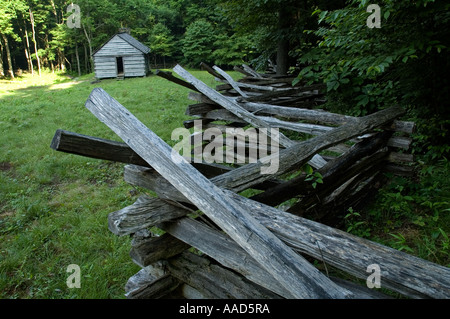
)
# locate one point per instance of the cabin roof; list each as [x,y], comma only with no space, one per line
[130,40]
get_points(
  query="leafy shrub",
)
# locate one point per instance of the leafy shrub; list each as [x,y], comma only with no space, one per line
[401,62]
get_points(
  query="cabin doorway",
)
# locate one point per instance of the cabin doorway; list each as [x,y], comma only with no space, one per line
[119,63]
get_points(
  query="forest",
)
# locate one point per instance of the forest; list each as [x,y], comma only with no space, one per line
[38,34]
[363,67]
[403,61]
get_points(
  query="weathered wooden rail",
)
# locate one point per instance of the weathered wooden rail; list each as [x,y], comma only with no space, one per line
[247,247]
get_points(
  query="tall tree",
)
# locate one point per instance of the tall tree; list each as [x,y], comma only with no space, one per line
[161,42]
[276,22]
[36,51]
[2,70]
[198,42]
[7,14]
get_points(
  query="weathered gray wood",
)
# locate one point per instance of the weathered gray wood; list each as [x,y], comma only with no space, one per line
[99,148]
[316,160]
[396,157]
[230,80]
[307,128]
[360,291]
[401,272]
[222,115]
[317,116]
[214,281]
[190,292]
[249,70]
[200,108]
[73,143]
[339,193]
[312,129]
[147,251]
[399,170]
[228,104]
[133,55]
[225,251]
[145,285]
[335,172]
[291,270]
[117,46]
[211,71]
[170,77]
[150,179]
[284,81]
[295,156]
[295,92]
[195,96]
[247,86]
[145,212]
[403,126]
[400,142]
[238,69]
[298,113]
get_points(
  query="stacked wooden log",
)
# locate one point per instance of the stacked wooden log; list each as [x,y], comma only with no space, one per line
[268,101]
[220,244]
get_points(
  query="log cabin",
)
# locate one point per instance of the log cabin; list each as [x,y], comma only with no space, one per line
[120,57]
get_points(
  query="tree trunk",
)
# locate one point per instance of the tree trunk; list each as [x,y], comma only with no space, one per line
[284,19]
[78,59]
[27,56]
[30,60]
[25,47]
[86,59]
[282,57]
[88,38]
[47,58]
[8,56]
[61,58]
[35,43]
[54,12]
[2,71]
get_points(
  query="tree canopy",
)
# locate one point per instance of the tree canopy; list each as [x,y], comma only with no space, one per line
[37,32]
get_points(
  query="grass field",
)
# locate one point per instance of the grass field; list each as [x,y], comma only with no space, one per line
[54,206]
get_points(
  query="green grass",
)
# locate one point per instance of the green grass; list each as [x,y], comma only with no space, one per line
[54,206]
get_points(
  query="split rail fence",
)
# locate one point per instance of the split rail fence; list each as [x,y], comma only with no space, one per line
[220,244]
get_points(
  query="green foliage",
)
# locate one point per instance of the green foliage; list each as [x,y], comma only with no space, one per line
[198,42]
[431,137]
[313,177]
[373,68]
[400,243]
[356,225]
[405,207]
[161,42]
[268,22]
[231,50]
[159,24]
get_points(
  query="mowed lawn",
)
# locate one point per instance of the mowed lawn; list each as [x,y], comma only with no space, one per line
[54,206]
